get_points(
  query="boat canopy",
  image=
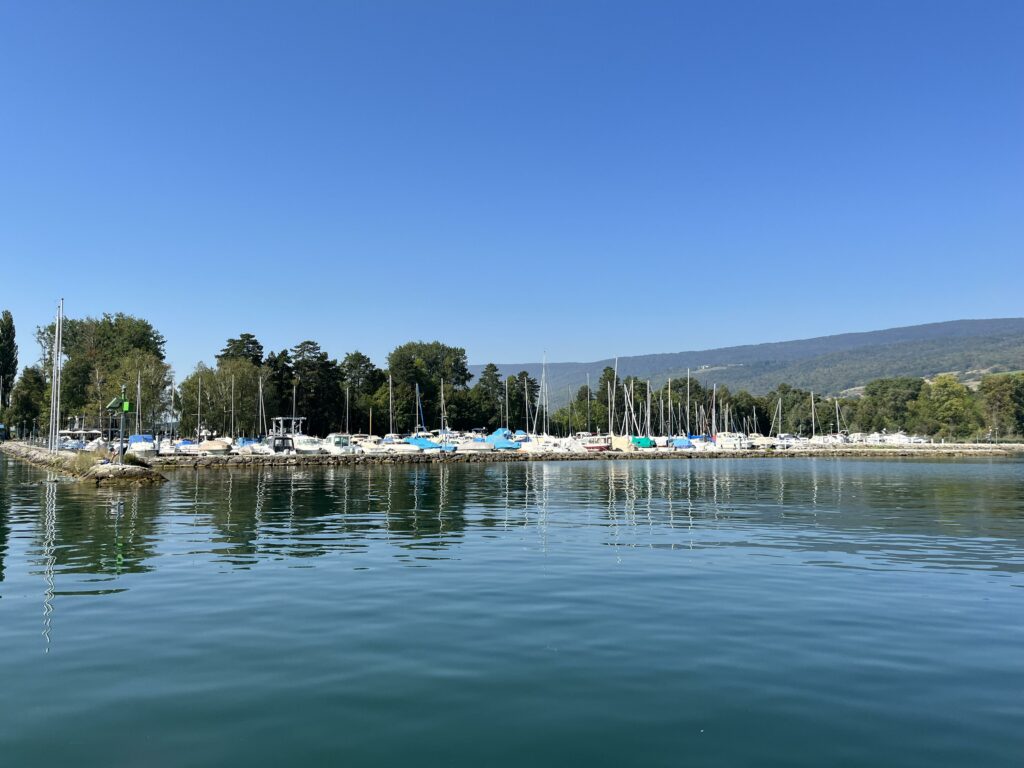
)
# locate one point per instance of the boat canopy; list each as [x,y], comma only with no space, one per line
[428,445]
[502,440]
[140,439]
[642,442]
[682,442]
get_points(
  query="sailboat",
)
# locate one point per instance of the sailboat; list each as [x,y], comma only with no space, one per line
[140,445]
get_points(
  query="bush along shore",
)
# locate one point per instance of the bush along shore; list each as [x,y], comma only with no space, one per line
[83,467]
[282,460]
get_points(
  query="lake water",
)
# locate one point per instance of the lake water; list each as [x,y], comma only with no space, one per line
[665,613]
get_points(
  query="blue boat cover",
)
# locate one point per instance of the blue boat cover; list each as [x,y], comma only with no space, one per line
[140,439]
[428,445]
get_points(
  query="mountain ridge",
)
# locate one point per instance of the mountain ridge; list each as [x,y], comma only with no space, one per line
[827,364]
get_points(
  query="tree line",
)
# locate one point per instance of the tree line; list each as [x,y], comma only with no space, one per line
[942,407]
[429,383]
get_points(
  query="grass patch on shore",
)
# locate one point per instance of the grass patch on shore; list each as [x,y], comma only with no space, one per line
[82,462]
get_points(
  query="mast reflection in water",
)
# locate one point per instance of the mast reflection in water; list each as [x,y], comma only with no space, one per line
[794,612]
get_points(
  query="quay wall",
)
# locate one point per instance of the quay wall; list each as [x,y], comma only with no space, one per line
[222,462]
[66,463]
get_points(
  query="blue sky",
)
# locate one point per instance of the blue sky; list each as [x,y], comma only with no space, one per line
[588,179]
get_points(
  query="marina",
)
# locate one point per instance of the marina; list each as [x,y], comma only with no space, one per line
[497,384]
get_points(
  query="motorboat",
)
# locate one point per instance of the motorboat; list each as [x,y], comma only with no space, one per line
[594,443]
[307,444]
[337,444]
[733,441]
[215,447]
[250,447]
[475,445]
[142,446]
[395,443]
[282,444]
[291,427]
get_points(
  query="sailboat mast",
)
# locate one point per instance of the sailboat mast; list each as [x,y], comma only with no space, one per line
[416,426]
[260,415]
[615,393]
[648,432]
[199,406]
[714,409]
[444,417]
[391,406]
[138,402]
[526,401]
[670,406]
[608,394]
[588,401]
[687,402]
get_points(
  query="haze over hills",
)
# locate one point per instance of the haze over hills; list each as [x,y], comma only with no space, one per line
[826,364]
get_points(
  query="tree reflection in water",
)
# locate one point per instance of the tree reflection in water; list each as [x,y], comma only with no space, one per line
[88,541]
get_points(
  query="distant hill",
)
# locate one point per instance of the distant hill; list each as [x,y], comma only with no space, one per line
[826,364]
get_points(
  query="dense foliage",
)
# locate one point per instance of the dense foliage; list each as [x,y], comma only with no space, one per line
[942,408]
[8,357]
[428,384]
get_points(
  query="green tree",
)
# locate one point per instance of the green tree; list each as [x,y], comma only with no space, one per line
[573,417]
[8,357]
[748,413]
[230,388]
[886,403]
[361,379]
[140,369]
[96,351]
[29,391]
[246,346]
[523,390]
[488,396]
[797,417]
[1002,397]
[945,408]
[280,378]
[426,364]
[609,391]
[320,395]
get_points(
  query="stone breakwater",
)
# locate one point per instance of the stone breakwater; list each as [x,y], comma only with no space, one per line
[496,457]
[70,464]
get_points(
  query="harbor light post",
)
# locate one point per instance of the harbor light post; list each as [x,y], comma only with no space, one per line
[123,406]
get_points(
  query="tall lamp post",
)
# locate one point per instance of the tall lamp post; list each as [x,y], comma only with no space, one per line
[124,406]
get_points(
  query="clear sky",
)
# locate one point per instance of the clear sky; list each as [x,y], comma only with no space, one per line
[588,178]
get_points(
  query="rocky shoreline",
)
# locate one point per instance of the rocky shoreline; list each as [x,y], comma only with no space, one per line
[113,474]
[498,457]
[68,463]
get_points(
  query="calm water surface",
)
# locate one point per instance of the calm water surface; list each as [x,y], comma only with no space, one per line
[678,613]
